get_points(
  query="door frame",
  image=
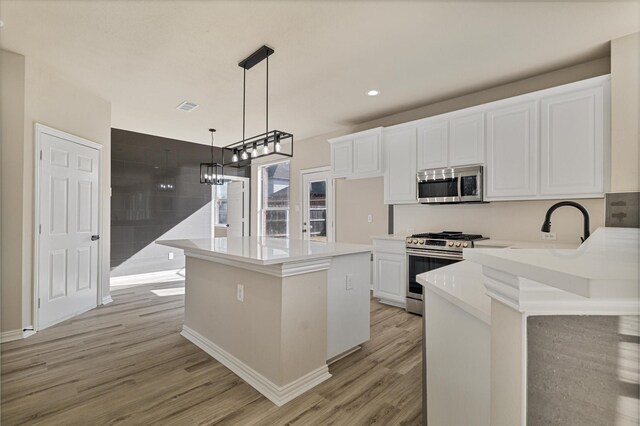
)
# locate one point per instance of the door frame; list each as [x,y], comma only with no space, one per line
[246,211]
[331,236]
[39,130]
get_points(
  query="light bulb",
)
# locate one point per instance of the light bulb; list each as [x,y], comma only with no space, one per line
[235,157]
[278,147]
[265,148]
[244,155]
[254,151]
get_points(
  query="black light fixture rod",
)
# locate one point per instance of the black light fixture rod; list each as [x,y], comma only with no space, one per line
[244,98]
[212,131]
[266,124]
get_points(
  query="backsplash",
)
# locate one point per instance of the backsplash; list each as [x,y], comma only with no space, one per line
[506,220]
[622,209]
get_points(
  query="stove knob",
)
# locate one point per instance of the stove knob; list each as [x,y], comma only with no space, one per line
[421,241]
[458,244]
[450,243]
[465,244]
[414,241]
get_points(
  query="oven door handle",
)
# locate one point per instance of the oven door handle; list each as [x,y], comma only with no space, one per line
[435,254]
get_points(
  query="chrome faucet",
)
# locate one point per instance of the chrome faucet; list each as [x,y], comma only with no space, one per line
[546,226]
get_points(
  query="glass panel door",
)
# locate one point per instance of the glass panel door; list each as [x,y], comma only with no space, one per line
[316,217]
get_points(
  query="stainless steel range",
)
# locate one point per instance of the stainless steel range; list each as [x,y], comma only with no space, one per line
[429,251]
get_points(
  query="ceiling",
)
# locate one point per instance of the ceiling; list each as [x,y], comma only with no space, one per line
[146,57]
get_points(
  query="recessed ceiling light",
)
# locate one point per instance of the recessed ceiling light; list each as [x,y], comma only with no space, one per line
[373,93]
[187,106]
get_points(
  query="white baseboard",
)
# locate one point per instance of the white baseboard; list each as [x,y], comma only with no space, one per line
[106,300]
[9,336]
[148,278]
[279,395]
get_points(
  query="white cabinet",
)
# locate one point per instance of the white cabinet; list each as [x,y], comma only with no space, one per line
[400,165]
[342,158]
[358,155]
[512,145]
[390,271]
[572,143]
[466,140]
[433,142]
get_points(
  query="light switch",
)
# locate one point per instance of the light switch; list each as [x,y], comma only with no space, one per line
[370,218]
[349,282]
[240,291]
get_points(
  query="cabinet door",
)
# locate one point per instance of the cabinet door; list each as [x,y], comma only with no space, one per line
[466,140]
[366,156]
[390,278]
[572,143]
[400,173]
[342,158]
[512,164]
[432,144]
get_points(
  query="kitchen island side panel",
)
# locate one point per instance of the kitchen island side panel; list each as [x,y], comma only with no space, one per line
[583,370]
[249,330]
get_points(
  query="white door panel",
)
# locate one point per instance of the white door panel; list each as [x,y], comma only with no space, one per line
[68,211]
[235,209]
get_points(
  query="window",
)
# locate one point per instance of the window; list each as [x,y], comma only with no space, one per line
[220,210]
[274,200]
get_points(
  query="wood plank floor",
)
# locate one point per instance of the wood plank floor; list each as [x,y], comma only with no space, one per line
[126,363]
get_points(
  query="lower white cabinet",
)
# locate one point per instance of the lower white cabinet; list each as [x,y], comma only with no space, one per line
[390,271]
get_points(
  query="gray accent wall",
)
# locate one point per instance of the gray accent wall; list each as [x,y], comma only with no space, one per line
[157,194]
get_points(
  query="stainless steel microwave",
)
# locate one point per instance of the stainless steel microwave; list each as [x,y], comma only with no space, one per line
[450,185]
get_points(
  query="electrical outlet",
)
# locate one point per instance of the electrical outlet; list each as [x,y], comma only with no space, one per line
[349,282]
[240,295]
[370,218]
[171,255]
[548,235]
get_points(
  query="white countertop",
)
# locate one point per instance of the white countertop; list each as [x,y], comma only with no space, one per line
[605,266]
[263,250]
[491,243]
[394,237]
[462,284]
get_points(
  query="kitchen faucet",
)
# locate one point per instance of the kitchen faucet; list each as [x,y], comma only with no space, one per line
[546,226]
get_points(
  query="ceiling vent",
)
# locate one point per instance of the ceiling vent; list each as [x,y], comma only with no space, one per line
[187,106]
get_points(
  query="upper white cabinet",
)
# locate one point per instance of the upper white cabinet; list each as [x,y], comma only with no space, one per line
[466,140]
[572,143]
[512,147]
[433,143]
[400,167]
[358,155]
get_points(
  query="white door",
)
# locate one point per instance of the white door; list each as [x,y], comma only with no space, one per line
[68,229]
[236,219]
[512,148]
[317,206]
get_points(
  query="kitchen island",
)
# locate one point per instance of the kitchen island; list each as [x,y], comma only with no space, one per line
[275,311]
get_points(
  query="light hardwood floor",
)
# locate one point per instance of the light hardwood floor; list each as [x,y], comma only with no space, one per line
[126,363]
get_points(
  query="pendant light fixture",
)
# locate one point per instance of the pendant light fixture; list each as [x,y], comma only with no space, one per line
[267,143]
[211,173]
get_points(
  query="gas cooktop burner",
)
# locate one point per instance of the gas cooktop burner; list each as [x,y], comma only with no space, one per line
[449,235]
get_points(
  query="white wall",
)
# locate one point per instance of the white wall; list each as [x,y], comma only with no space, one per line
[12,151]
[60,104]
[625,113]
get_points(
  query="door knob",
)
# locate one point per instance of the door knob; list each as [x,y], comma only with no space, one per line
[95,237]
[304,230]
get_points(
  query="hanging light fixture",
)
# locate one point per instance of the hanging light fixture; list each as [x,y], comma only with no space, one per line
[211,173]
[273,137]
